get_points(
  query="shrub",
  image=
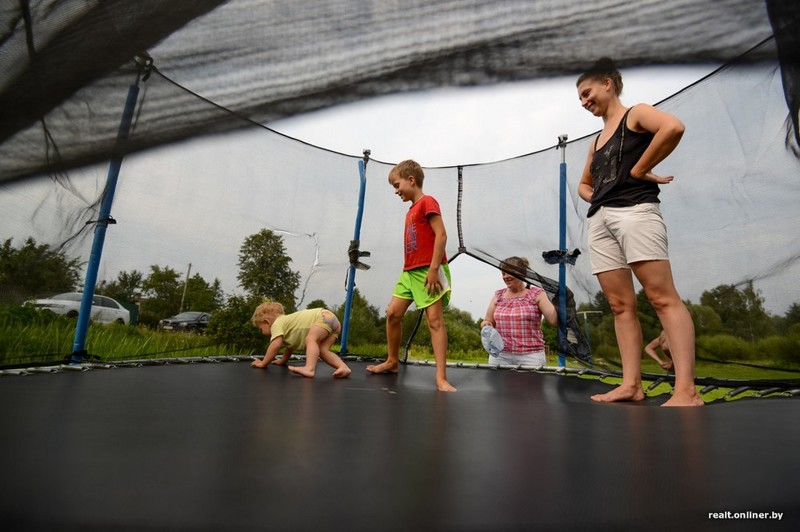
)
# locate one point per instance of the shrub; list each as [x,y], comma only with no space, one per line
[724,347]
[231,325]
[781,351]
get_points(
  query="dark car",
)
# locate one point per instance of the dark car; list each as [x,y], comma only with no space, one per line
[185,321]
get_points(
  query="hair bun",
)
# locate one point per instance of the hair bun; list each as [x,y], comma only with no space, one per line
[604,65]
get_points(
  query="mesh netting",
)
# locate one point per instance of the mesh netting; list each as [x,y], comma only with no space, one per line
[64,65]
[731,213]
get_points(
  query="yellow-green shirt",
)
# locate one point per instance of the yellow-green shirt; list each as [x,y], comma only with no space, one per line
[294,327]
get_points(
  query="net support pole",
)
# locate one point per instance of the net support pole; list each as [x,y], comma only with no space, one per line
[354,252]
[103,220]
[562,246]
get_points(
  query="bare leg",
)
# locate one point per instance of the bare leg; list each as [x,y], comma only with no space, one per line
[617,286]
[394,333]
[315,337]
[656,278]
[341,370]
[435,318]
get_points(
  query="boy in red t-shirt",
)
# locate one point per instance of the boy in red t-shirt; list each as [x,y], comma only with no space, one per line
[426,276]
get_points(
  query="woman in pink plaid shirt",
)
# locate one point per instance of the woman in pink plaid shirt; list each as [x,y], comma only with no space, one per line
[516,312]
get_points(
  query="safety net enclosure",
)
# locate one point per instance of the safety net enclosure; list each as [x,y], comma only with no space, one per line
[212,444]
[206,68]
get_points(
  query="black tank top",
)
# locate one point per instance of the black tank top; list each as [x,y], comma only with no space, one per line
[612,183]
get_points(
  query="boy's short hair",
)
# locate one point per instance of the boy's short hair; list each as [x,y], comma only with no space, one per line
[409,168]
[268,310]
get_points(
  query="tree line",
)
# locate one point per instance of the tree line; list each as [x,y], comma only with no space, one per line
[727,319]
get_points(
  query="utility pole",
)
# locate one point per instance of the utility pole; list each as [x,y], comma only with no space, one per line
[586,323]
[185,284]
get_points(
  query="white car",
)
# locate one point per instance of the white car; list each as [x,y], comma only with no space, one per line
[104,309]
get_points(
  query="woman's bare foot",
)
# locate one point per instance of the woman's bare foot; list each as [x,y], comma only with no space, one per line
[620,393]
[342,372]
[687,398]
[302,370]
[384,367]
[444,386]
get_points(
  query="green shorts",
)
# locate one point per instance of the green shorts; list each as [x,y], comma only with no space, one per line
[411,285]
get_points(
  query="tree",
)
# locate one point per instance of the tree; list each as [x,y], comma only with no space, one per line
[163,290]
[792,316]
[740,310]
[35,269]
[161,293]
[366,326]
[126,287]
[264,269]
[202,296]
[317,303]
[231,325]
[706,320]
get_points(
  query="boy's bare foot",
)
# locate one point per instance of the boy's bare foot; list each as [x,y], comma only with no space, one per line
[301,370]
[384,367]
[444,386]
[688,398]
[342,373]
[620,393]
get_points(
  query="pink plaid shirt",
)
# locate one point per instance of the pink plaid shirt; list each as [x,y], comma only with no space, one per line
[519,322]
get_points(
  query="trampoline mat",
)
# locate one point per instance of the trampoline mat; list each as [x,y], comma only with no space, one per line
[222,446]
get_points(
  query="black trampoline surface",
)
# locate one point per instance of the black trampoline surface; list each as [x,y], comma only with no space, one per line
[222,446]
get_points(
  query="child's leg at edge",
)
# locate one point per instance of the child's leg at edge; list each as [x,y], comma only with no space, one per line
[394,332]
[434,315]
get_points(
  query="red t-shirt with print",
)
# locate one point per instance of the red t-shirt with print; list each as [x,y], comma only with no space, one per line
[419,235]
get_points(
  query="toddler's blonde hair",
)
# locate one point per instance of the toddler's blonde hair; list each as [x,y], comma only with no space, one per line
[267,311]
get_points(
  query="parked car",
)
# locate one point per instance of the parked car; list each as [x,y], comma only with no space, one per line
[104,309]
[185,321]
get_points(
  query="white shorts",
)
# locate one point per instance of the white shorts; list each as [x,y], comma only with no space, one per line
[510,359]
[619,236]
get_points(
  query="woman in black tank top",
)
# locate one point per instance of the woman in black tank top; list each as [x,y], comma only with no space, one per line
[618,177]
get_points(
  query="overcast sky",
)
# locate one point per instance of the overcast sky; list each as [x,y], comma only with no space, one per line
[517,118]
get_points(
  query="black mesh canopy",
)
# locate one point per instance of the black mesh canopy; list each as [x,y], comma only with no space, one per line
[65,65]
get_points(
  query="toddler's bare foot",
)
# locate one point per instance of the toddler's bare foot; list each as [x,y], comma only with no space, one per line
[620,393]
[685,398]
[302,370]
[444,386]
[342,372]
[280,362]
[258,364]
[384,367]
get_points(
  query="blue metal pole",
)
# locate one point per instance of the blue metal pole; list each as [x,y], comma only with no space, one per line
[104,218]
[351,273]
[562,245]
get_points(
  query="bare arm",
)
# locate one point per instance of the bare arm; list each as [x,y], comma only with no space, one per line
[287,353]
[439,243]
[667,131]
[489,318]
[650,349]
[272,351]
[547,308]
[585,187]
